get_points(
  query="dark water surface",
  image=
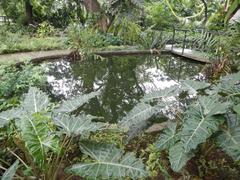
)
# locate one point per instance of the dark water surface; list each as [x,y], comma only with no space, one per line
[121,80]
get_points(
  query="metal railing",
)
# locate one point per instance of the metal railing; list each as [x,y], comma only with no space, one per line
[206,38]
[4,19]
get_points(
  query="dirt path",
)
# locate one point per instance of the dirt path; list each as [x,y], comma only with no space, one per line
[16,58]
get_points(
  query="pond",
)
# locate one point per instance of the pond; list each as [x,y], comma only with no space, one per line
[121,80]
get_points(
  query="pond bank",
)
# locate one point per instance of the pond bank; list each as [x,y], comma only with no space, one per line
[36,57]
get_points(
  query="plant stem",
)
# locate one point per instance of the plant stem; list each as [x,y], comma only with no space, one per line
[18,158]
[3,168]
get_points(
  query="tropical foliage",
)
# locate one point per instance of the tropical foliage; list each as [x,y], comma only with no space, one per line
[46,136]
[208,116]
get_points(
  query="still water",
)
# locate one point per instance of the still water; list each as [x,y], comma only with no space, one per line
[121,80]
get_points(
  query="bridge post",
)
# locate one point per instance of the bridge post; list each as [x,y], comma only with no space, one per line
[184,41]
[173,37]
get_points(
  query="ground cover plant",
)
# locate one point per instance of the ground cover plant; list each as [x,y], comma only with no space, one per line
[46,138]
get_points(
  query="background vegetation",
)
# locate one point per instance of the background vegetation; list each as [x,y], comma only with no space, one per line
[44,139]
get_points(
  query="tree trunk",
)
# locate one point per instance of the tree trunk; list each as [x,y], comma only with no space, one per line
[93,6]
[29,12]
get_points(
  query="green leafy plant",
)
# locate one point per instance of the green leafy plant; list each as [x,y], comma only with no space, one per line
[80,38]
[45,29]
[48,135]
[15,80]
[204,117]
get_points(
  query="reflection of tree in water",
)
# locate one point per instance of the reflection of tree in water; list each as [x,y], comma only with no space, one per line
[122,80]
[121,91]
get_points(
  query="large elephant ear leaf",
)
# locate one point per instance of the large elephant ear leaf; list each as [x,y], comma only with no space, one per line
[193,86]
[70,105]
[35,101]
[8,115]
[108,163]
[77,125]
[161,94]
[200,121]
[137,119]
[10,172]
[168,138]
[178,157]
[229,85]
[229,141]
[38,137]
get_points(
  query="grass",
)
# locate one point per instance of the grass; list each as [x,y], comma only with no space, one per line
[24,43]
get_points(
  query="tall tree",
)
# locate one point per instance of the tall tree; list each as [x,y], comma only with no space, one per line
[28,12]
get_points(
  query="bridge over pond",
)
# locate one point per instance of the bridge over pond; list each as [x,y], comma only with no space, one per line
[197,44]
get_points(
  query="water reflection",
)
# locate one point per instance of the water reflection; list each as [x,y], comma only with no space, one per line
[122,80]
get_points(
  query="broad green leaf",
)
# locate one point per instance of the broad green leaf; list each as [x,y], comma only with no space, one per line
[178,157]
[10,172]
[229,139]
[237,109]
[77,125]
[200,121]
[70,105]
[192,86]
[229,85]
[38,137]
[167,138]
[108,163]
[140,113]
[161,94]
[35,101]
[137,119]
[8,115]
[231,79]
[212,106]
